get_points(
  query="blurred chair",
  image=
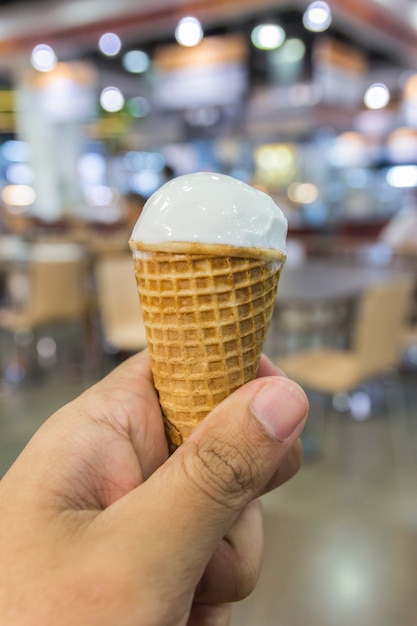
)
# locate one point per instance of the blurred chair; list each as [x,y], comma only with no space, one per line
[118,304]
[376,344]
[409,339]
[50,289]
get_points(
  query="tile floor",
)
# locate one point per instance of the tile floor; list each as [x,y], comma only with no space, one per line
[341,537]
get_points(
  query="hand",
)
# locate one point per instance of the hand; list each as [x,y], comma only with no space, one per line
[98,527]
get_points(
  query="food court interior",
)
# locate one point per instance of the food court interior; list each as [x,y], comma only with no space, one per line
[315,103]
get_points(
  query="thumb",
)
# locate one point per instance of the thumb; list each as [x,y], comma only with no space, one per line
[188,505]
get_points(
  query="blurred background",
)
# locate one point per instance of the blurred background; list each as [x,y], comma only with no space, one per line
[315,103]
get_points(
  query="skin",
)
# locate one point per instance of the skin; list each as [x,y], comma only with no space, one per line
[100,527]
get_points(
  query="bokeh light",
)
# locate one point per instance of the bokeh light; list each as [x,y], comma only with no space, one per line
[18,195]
[16,150]
[317,18]
[292,51]
[112,99]
[189,32]
[268,36]
[303,193]
[377,96]
[275,164]
[43,58]
[402,176]
[110,44]
[136,61]
[20,174]
[138,106]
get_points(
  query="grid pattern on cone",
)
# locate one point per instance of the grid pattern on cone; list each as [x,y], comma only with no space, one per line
[206,319]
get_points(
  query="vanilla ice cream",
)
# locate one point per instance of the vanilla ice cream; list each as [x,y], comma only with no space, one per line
[211,208]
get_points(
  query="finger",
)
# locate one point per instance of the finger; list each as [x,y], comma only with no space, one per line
[267,368]
[209,615]
[108,440]
[226,463]
[128,398]
[288,467]
[233,570]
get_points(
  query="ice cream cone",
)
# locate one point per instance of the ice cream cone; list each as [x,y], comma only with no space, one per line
[206,310]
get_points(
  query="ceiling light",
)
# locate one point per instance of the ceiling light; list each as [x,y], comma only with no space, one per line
[377,96]
[43,58]
[112,99]
[189,32]
[268,36]
[402,176]
[136,61]
[303,193]
[110,44]
[20,174]
[16,150]
[18,195]
[317,17]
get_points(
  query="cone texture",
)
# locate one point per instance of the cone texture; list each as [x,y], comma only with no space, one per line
[206,319]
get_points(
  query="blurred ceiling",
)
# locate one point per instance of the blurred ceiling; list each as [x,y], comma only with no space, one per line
[72,27]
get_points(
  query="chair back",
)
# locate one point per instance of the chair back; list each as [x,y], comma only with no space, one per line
[380,324]
[57,290]
[118,303]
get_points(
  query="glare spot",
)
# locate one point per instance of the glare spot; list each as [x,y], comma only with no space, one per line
[18,195]
[377,96]
[303,193]
[112,99]
[317,17]
[268,36]
[110,44]
[402,176]
[43,58]
[189,32]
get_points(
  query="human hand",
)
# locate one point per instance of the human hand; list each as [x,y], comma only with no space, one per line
[98,527]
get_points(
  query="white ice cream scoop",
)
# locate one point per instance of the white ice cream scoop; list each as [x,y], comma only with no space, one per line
[211,208]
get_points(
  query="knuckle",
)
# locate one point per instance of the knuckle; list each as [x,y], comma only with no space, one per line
[222,471]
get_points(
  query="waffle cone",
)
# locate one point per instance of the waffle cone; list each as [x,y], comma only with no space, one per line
[206,311]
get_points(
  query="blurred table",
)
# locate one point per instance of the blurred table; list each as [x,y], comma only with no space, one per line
[323,282]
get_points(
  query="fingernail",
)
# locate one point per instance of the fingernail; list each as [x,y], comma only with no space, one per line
[281,406]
